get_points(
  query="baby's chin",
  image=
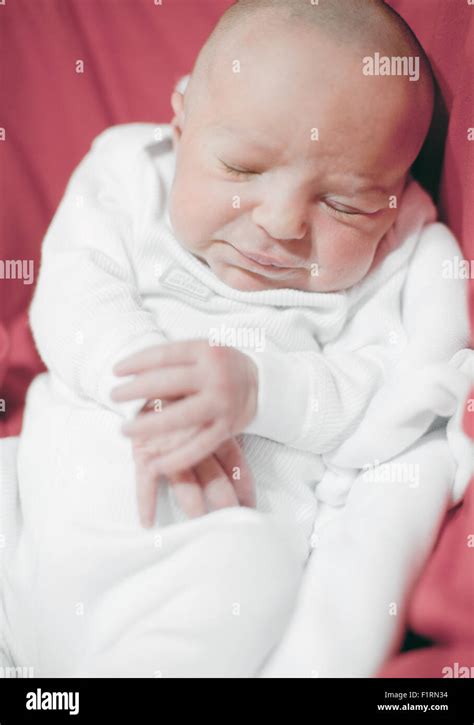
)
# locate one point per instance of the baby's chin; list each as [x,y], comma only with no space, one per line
[246,281]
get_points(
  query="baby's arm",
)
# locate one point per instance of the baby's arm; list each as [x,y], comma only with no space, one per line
[219,388]
[86,312]
[431,378]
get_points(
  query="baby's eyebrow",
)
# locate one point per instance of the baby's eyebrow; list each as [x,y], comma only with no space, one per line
[369,189]
[249,135]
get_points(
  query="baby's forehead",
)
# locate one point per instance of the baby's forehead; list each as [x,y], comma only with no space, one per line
[333,35]
[289,65]
[285,76]
[270,88]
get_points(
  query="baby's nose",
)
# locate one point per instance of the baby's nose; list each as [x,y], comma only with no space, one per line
[286,223]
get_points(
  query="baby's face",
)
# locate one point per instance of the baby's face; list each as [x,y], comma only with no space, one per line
[286,171]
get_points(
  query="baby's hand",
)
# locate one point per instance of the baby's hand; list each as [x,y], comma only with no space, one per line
[221,480]
[217,389]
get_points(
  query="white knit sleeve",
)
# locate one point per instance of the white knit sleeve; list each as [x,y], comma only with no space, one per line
[430,383]
[87,313]
[311,400]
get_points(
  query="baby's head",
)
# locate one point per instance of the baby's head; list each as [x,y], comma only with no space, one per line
[286,151]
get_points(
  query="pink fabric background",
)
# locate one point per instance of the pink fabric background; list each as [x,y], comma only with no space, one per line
[133,52]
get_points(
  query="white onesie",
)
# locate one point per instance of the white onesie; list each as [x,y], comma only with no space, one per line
[347,381]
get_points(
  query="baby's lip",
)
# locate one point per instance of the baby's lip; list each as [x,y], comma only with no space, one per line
[268,261]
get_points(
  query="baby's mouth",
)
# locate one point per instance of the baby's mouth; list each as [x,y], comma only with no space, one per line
[268,262]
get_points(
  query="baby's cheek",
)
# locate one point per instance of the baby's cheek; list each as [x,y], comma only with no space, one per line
[347,254]
[198,210]
[342,247]
[186,211]
[344,260]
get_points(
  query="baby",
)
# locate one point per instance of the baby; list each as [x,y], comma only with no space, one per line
[267,275]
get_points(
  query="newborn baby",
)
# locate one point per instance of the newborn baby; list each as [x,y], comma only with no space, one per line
[268,275]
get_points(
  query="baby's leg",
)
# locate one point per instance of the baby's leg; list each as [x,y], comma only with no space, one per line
[212,602]
[351,607]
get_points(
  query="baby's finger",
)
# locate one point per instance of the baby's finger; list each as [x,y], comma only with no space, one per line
[232,460]
[165,443]
[188,493]
[155,384]
[193,410]
[215,483]
[172,353]
[201,446]
[146,487]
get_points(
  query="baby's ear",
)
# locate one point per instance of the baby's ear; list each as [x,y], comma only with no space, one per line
[177,103]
